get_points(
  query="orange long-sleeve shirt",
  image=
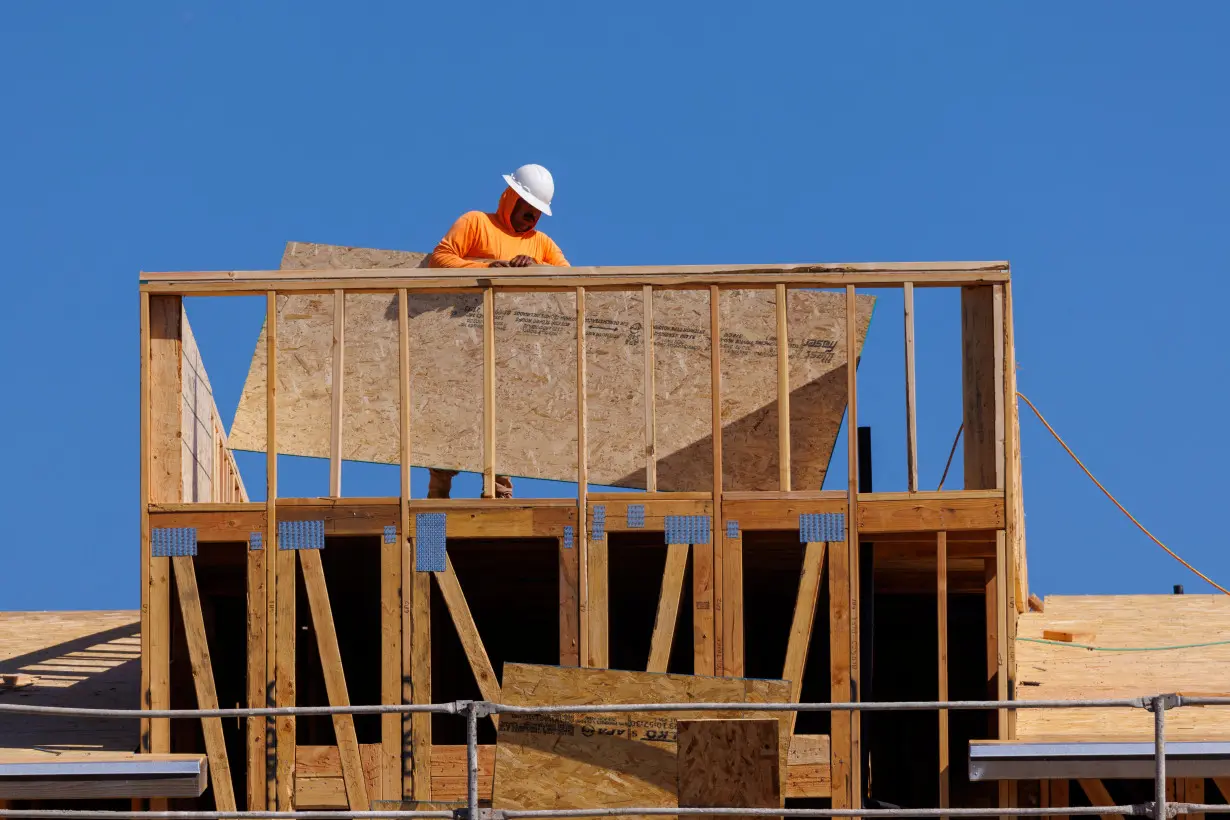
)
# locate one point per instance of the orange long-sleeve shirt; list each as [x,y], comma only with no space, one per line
[476,237]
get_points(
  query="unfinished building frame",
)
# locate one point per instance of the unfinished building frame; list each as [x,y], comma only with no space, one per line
[279,540]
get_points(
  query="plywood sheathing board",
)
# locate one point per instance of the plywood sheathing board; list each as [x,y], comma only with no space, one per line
[607,760]
[536,377]
[78,659]
[1047,671]
[729,763]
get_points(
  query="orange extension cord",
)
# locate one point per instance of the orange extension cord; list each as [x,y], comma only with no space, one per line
[1116,502]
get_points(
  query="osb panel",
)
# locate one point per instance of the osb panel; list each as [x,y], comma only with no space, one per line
[607,760]
[536,380]
[74,659]
[1047,671]
[729,763]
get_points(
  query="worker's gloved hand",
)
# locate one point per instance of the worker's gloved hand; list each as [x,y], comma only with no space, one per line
[521,261]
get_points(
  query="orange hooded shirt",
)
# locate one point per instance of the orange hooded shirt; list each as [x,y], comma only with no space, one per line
[477,236]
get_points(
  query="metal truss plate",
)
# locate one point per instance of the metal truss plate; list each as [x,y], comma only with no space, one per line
[301,535]
[816,527]
[687,529]
[599,529]
[172,542]
[429,542]
[636,516]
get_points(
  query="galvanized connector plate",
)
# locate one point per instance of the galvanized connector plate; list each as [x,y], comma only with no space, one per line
[301,535]
[172,542]
[430,542]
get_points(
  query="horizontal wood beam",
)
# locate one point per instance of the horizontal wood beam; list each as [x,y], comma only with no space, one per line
[919,515]
[363,518]
[872,275]
[214,527]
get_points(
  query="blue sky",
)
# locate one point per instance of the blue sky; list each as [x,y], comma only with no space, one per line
[1083,142]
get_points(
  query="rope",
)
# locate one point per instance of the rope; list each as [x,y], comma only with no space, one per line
[1116,501]
[1124,648]
[951,453]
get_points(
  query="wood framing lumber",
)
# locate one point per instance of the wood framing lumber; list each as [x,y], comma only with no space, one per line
[668,607]
[467,631]
[732,604]
[922,515]
[1223,786]
[1001,626]
[853,529]
[941,595]
[278,764]
[569,605]
[256,751]
[839,671]
[1096,791]
[911,400]
[203,681]
[702,608]
[287,583]
[729,764]
[709,650]
[982,387]
[416,603]
[593,566]
[1059,797]
[1193,792]
[783,392]
[336,390]
[146,448]
[165,485]
[335,678]
[651,421]
[489,393]
[803,622]
[991,622]
[390,667]
[870,275]
[319,779]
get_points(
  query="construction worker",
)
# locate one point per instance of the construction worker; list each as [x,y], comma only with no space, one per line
[504,239]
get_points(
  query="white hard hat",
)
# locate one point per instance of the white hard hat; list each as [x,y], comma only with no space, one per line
[534,184]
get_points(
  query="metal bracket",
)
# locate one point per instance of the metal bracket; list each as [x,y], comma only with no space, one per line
[732,529]
[636,516]
[687,529]
[390,534]
[599,530]
[1171,701]
[567,536]
[815,527]
[483,814]
[301,535]
[482,708]
[255,540]
[430,542]
[172,542]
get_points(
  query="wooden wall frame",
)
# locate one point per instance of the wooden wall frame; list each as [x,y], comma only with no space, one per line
[405,761]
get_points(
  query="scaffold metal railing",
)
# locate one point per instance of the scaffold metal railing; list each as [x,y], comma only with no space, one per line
[1158,809]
